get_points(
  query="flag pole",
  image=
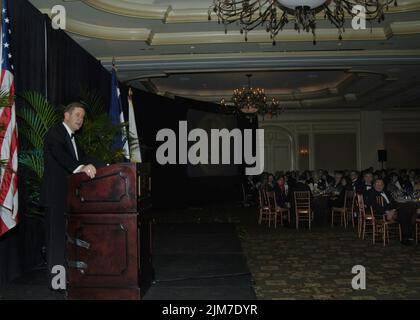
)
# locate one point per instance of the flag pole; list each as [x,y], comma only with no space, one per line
[114,65]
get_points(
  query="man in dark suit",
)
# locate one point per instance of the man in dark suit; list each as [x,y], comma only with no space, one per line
[380,200]
[366,184]
[62,157]
[383,205]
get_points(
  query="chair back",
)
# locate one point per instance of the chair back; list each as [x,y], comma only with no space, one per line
[380,201]
[362,207]
[349,200]
[302,200]
[271,199]
[266,199]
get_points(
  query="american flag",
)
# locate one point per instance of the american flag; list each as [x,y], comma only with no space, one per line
[8,133]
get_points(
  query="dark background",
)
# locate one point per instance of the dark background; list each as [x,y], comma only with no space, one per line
[61,76]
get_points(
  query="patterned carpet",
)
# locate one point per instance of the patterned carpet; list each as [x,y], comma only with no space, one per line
[317,264]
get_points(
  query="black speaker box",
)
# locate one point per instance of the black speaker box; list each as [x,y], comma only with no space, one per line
[382,155]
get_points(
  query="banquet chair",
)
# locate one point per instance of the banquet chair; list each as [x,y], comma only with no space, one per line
[303,209]
[267,210]
[390,224]
[351,207]
[281,212]
[378,225]
[344,211]
[366,219]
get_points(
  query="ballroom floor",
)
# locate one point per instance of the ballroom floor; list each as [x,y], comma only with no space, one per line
[316,264]
[287,264]
[290,264]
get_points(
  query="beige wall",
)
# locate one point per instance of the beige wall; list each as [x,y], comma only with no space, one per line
[403,149]
[335,151]
[363,133]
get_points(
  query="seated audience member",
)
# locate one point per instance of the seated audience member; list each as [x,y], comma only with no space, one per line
[281,191]
[417,183]
[411,179]
[278,174]
[308,176]
[337,185]
[270,183]
[356,183]
[366,184]
[394,186]
[262,183]
[327,178]
[301,185]
[382,205]
[405,181]
[290,179]
[321,183]
[345,186]
[380,201]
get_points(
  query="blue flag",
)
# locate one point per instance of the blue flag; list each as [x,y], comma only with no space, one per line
[117,116]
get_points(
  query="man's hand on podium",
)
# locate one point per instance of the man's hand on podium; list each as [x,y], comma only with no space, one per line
[89,169]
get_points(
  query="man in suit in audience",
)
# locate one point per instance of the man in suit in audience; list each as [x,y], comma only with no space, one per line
[62,157]
[366,184]
[382,204]
[356,183]
[380,200]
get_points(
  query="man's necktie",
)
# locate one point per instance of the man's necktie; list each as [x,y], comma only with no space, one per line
[73,141]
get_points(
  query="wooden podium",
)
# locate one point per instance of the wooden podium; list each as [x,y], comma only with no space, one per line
[108,241]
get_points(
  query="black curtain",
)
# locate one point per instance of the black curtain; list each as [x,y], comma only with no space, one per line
[71,69]
[20,247]
[153,113]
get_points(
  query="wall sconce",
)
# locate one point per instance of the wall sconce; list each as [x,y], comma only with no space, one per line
[303,151]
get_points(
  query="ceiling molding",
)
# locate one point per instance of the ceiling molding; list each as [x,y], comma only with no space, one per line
[108,33]
[104,32]
[130,9]
[127,60]
[153,38]
[168,14]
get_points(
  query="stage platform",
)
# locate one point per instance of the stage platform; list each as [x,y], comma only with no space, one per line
[199,261]
[191,261]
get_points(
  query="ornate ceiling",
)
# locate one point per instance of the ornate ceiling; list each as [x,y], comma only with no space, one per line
[169,47]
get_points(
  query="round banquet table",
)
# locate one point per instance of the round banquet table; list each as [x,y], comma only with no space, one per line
[321,204]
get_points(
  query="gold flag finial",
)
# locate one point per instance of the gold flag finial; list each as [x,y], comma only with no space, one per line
[113,64]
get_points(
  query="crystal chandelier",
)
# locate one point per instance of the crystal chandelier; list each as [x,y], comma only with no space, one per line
[274,15]
[252,102]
